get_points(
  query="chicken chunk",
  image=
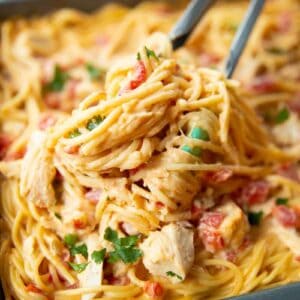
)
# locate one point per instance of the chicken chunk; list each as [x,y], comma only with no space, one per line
[93,274]
[287,235]
[224,227]
[38,172]
[169,251]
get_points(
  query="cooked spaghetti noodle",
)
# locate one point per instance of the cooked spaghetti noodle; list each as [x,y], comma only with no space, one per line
[131,171]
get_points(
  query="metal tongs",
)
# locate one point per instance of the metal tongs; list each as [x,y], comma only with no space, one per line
[196,10]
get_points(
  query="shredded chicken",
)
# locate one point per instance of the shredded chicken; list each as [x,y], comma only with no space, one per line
[38,172]
[169,250]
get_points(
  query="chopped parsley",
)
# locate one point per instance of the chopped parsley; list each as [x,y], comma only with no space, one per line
[151,53]
[124,248]
[98,256]
[281,201]
[78,267]
[74,133]
[58,82]
[94,122]
[172,274]
[199,133]
[57,215]
[196,151]
[275,50]
[70,239]
[94,72]
[254,218]
[80,249]
[138,56]
[282,116]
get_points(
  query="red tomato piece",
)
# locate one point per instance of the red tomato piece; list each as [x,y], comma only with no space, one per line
[32,288]
[289,171]
[218,176]
[5,142]
[211,239]
[79,224]
[53,100]
[212,219]
[121,280]
[46,121]
[254,192]
[286,216]
[139,76]
[153,289]
[93,195]
[263,84]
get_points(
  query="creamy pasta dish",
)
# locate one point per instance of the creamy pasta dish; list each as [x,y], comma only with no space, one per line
[132,171]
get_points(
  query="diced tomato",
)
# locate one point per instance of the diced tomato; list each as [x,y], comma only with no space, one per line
[288,217]
[212,219]
[53,100]
[5,142]
[79,223]
[159,205]
[139,76]
[211,239]
[231,255]
[71,149]
[32,288]
[46,121]
[121,280]
[72,88]
[93,195]
[254,192]
[263,84]
[245,244]
[218,176]
[153,289]
[284,22]
[289,171]
[208,59]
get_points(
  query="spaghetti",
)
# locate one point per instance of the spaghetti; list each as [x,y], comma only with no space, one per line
[167,180]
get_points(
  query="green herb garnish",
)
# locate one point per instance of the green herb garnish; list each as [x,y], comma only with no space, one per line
[138,56]
[124,248]
[57,215]
[151,53]
[275,50]
[196,151]
[98,256]
[94,72]
[199,133]
[282,116]
[255,217]
[172,274]
[78,267]
[281,201]
[58,82]
[74,133]
[94,122]
[80,249]
[70,239]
